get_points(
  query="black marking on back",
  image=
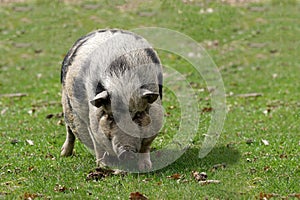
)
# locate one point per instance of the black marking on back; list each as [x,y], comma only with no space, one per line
[154,58]
[160,84]
[71,55]
[151,53]
[137,37]
[118,66]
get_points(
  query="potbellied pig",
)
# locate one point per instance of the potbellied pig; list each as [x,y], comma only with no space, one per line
[111,97]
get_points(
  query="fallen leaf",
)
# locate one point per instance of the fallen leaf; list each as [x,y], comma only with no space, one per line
[267,168]
[282,156]
[146,180]
[49,116]
[266,112]
[32,111]
[219,166]
[208,10]
[30,142]
[31,168]
[199,176]
[297,195]
[209,182]
[249,95]
[249,141]
[60,188]
[137,196]
[14,141]
[265,142]
[264,196]
[4,111]
[14,95]
[101,173]
[274,76]
[29,196]
[50,156]
[174,176]
[207,109]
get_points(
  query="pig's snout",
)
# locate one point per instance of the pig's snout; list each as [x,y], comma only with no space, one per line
[127,153]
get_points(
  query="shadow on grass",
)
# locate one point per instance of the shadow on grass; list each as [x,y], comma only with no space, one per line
[190,160]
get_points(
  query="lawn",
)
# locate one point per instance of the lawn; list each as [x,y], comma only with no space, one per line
[255,47]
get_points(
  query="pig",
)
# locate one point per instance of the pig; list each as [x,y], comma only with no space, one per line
[111,97]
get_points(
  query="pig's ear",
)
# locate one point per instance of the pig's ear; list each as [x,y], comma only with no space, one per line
[149,96]
[100,99]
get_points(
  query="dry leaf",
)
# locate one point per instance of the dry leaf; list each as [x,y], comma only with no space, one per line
[101,173]
[249,95]
[219,166]
[264,196]
[14,141]
[297,195]
[4,111]
[283,156]
[31,168]
[249,141]
[30,142]
[199,176]
[49,116]
[14,95]
[60,188]
[209,182]
[146,180]
[137,196]
[267,168]
[174,176]
[29,196]
[265,142]
[207,109]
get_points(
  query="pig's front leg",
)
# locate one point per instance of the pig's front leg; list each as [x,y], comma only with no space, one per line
[100,159]
[144,162]
[103,159]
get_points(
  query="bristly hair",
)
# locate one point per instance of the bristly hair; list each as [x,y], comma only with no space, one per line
[138,60]
[71,54]
[132,59]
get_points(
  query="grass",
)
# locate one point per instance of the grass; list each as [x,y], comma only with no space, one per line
[256,49]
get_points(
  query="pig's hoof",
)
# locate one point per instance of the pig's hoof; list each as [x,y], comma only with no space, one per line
[101,164]
[66,150]
[144,165]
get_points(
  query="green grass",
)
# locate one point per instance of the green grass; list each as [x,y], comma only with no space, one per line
[257,51]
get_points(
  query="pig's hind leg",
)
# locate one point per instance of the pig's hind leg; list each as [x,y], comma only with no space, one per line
[68,146]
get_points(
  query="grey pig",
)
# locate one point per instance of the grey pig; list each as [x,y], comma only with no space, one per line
[111,97]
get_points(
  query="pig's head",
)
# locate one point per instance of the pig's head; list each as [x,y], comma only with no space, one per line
[129,120]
